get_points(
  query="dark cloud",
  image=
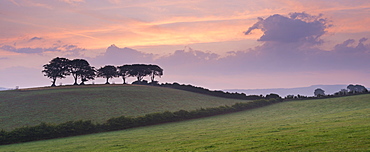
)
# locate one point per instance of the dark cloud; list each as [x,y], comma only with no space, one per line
[68,49]
[35,38]
[281,57]
[189,56]
[348,55]
[181,61]
[21,50]
[189,61]
[119,56]
[349,46]
[297,27]
[267,58]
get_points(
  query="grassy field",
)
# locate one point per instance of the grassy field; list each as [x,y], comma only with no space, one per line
[99,103]
[336,124]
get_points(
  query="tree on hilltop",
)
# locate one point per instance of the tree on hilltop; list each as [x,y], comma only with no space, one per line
[319,92]
[272,96]
[56,68]
[80,68]
[356,88]
[123,71]
[108,71]
[87,74]
[139,71]
[155,70]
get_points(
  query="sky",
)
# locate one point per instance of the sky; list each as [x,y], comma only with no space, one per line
[216,44]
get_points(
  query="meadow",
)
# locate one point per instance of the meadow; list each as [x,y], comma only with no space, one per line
[29,107]
[334,124]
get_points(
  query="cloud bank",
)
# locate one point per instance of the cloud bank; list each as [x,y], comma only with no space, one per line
[289,48]
[288,54]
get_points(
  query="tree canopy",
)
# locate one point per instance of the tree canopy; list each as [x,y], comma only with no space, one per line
[319,92]
[108,71]
[56,68]
[80,68]
[123,71]
[87,74]
[356,88]
[155,70]
[139,71]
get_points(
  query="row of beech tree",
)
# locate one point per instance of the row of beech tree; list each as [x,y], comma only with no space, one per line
[81,69]
[74,128]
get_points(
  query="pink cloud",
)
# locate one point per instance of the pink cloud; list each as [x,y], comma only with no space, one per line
[288,43]
[296,27]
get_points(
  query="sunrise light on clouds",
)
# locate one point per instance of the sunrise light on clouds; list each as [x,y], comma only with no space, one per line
[209,43]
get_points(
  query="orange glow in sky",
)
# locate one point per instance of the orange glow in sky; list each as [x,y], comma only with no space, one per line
[43,29]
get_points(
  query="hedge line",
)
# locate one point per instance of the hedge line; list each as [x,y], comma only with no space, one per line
[73,128]
[216,93]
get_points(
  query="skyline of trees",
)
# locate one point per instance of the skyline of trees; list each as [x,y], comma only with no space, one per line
[81,69]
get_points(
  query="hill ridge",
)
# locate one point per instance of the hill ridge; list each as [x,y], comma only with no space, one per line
[98,103]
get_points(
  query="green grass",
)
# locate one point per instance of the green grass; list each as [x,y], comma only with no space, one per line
[336,124]
[98,103]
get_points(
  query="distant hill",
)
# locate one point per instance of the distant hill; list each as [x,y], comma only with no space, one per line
[96,102]
[306,91]
[1,89]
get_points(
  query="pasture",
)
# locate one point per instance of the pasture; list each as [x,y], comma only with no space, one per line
[95,102]
[335,124]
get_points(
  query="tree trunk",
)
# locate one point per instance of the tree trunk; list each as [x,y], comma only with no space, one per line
[152,78]
[75,77]
[54,80]
[107,81]
[124,80]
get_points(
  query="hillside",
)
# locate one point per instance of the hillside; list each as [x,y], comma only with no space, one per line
[98,103]
[335,124]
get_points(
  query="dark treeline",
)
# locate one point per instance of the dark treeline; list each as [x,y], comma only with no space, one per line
[320,93]
[73,128]
[217,93]
[81,69]
[201,90]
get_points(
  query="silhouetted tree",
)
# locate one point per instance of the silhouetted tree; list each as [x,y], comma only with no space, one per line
[87,74]
[289,97]
[107,72]
[155,70]
[56,68]
[356,88]
[342,92]
[319,92]
[273,95]
[123,71]
[79,67]
[139,71]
